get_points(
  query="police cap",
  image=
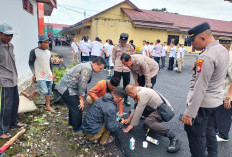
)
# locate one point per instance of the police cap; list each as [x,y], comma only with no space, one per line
[193,32]
[123,37]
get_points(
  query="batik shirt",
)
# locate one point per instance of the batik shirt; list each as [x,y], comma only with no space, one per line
[76,79]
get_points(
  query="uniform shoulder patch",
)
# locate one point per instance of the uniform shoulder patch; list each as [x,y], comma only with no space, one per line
[199,65]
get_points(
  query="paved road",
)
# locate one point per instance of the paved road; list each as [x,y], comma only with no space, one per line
[174,86]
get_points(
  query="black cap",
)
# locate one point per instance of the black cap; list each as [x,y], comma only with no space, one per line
[123,37]
[193,32]
[97,39]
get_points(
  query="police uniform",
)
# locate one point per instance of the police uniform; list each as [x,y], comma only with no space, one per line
[121,70]
[205,95]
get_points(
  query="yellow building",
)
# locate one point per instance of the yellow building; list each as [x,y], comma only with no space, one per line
[141,25]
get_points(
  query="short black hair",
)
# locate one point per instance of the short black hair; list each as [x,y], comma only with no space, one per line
[158,41]
[131,41]
[114,81]
[119,92]
[97,39]
[85,39]
[110,42]
[151,42]
[144,40]
[147,42]
[99,61]
[125,57]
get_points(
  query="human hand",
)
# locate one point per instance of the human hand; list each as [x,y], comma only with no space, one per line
[128,128]
[227,104]
[125,121]
[81,106]
[33,78]
[187,120]
[136,83]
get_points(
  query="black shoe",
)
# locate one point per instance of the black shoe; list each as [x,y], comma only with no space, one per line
[127,102]
[174,145]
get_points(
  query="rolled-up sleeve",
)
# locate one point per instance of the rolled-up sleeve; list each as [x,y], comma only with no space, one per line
[202,80]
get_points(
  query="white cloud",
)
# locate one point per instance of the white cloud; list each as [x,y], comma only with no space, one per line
[215,9]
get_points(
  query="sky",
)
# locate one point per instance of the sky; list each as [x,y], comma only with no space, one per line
[72,11]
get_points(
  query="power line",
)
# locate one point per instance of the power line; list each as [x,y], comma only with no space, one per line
[69,7]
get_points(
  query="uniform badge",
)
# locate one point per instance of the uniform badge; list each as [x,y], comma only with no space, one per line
[199,65]
[119,53]
[138,98]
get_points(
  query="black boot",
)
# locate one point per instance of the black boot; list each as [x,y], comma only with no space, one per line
[174,145]
[126,101]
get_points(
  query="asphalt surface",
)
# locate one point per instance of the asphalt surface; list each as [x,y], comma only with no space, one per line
[174,86]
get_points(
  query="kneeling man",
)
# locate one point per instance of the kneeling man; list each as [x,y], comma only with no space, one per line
[147,102]
[103,87]
[101,117]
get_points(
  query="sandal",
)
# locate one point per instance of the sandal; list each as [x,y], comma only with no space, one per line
[5,136]
[108,141]
[50,109]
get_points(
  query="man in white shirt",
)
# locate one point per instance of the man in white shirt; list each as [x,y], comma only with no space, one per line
[150,48]
[164,53]
[75,51]
[144,48]
[179,58]
[171,56]
[157,51]
[183,53]
[97,49]
[85,49]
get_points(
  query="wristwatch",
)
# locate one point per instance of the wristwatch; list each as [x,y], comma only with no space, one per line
[227,98]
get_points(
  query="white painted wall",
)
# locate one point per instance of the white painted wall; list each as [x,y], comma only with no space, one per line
[26,27]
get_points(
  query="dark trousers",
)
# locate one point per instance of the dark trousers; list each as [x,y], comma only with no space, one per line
[141,81]
[50,46]
[163,61]
[171,62]
[93,57]
[84,58]
[153,121]
[157,59]
[202,133]
[125,76]
[9,108]
[223,121]
[75,114]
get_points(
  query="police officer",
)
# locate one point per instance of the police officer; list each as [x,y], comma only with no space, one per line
[121,70]
[147,102]
[143,69]
[205,94]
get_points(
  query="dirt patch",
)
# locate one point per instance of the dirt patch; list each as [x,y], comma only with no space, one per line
[49,135]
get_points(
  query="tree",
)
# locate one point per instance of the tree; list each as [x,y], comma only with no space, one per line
[160,10]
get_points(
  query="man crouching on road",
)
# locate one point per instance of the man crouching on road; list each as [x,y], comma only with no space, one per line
[103,87]
[147,102]
[101,118]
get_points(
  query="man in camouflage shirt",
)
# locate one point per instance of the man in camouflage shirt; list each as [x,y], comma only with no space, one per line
[121,70]
[72,88]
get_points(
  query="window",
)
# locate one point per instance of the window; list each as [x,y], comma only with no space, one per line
[187,43]
[174,39]
[28,6]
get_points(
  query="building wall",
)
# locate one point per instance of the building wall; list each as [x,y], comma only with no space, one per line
[26,37]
